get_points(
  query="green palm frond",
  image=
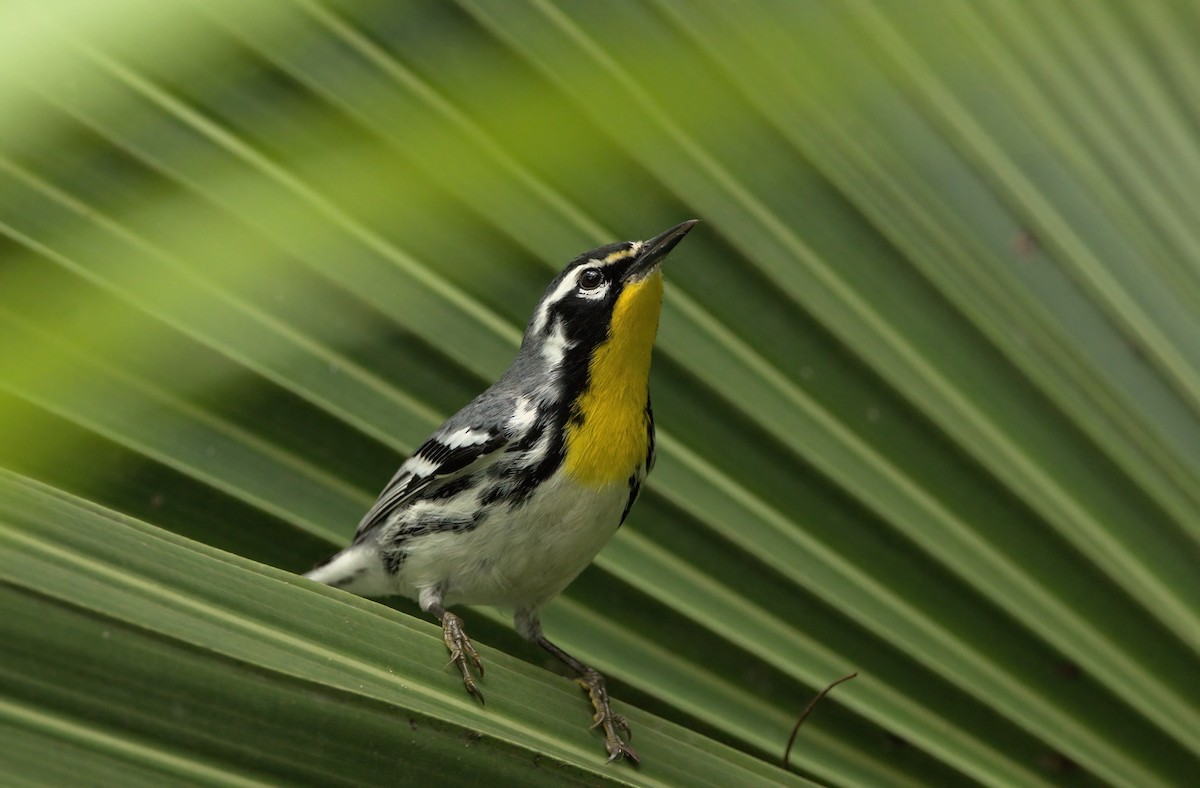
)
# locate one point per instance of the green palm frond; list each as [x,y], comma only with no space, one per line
[927,382]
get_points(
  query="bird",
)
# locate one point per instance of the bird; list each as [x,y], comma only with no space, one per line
[515,494]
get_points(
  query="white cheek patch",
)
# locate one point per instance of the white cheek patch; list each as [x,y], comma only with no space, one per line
[524,416]
[554,350]
[543,314]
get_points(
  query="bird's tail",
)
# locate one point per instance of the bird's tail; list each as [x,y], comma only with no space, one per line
[356,569]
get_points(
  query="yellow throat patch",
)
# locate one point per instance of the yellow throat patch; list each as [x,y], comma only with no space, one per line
[611,442]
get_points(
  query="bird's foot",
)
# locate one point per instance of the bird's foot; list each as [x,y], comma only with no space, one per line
[611,724]
[461,651]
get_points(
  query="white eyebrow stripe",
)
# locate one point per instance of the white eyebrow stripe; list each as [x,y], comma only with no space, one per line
[560,292]
[571,281]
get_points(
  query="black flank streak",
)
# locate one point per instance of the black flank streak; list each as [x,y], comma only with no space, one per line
[531,438]
[493,495]
[525,481]
[635,487]
[392,562]
[450,489]
[404,487]
[433,525]
[649,435]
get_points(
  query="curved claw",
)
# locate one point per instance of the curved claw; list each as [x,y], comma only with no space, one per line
[611,723]
[618,749]
[460,651]
[593,682]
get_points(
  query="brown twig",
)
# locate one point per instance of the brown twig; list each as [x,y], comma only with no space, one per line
[787,751]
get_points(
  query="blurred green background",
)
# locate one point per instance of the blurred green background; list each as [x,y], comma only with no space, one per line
[927,382]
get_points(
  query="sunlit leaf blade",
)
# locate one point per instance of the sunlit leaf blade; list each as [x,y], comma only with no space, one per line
[927,381]
[138,645]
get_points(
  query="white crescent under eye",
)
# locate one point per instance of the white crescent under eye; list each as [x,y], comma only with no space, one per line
[592,283]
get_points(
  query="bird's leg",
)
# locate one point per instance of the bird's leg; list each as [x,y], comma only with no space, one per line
[590,679]
[456,639]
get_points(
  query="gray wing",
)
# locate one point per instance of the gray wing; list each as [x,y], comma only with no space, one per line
[446,455]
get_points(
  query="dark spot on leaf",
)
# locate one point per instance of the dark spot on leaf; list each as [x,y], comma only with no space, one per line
[1025,245]
[1067,670]
[1057,763]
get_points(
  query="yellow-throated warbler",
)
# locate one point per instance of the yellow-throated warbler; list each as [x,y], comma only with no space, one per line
[515,494]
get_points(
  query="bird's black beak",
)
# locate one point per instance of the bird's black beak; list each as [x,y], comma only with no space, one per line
[657,248]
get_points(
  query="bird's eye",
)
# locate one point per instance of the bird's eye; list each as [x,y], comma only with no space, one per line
[591,278]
